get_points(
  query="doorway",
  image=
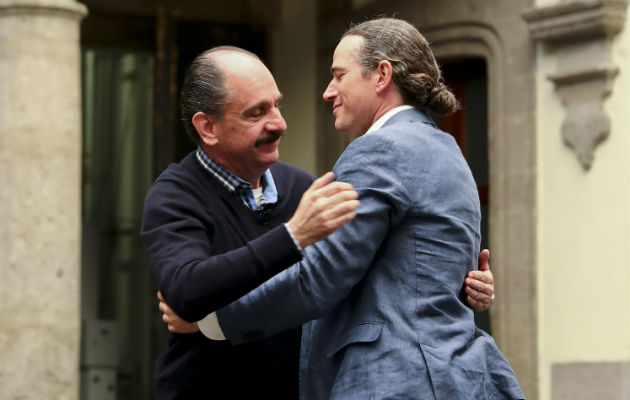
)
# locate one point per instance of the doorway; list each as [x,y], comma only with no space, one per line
[467,79]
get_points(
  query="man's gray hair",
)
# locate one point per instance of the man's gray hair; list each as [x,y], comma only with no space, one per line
[415,70]
[204,89]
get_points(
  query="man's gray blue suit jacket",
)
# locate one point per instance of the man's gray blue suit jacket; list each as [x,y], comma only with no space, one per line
[381,298]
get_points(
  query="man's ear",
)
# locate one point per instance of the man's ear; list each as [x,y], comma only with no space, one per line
[384,73]
[205,126]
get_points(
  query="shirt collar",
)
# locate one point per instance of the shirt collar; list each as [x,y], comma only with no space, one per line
[234,184]
[385,117]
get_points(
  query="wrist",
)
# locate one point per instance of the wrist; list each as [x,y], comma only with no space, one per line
[291,233]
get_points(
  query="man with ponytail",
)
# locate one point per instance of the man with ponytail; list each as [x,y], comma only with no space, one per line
[382,299]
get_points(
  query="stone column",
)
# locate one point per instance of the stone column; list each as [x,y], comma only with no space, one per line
[40,198]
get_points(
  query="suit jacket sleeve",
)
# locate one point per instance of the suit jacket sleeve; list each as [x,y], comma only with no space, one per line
[331,267]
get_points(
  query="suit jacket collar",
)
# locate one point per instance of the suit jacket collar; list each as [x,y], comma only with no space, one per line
[411,115]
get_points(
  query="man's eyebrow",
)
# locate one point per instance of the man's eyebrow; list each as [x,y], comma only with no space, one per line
[254,107]
[333,69]
[262,104]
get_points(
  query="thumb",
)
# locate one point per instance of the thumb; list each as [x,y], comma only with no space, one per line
[484,256]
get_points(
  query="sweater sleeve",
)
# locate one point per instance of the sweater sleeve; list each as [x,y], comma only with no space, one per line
[192,278]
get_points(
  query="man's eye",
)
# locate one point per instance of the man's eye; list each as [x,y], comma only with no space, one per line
[257,113]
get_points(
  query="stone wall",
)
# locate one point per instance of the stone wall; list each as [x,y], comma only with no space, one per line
[40,188]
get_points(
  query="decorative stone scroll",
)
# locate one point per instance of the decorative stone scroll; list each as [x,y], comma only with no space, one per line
[581,34]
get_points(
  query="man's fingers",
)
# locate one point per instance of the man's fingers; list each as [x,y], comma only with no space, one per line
[159,296]
[472,301]
[339,202]
[340,190]
[340,212]
[477,305]
[321,209]
[173,322]
[337,205]
[478,301]
[164,308]
[480,284]
[478,292]
[334,188]
[345,211]
[485,277]
[340,220]
[477,284]
[484,258]
[322,181]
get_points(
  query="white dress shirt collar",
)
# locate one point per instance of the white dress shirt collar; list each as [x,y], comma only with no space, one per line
[385,117]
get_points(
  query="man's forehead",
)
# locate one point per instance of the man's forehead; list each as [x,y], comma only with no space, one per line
[234,64]
[249,91]
[346,51]
[241,68]
[228,57]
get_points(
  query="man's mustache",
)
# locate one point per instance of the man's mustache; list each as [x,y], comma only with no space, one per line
[270,138]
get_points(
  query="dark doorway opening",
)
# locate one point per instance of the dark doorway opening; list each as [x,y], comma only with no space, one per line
[468,80]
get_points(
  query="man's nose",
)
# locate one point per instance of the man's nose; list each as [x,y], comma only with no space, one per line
[330,93]
[276,122]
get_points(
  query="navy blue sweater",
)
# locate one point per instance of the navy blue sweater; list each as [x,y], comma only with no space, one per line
[206,249]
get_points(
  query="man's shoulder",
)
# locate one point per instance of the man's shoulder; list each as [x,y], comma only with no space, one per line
[411,115]
[403,143]
[410,130]
[187,170]
[178,179]
[181,189]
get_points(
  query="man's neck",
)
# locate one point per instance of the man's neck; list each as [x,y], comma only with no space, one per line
[254,179]
[384,110]
[390,100]
[378,124]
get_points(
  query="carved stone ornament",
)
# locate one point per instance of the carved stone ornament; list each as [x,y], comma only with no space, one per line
[581,34]
[586,124]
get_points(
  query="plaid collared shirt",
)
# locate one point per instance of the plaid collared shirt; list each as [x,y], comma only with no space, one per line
[244,189]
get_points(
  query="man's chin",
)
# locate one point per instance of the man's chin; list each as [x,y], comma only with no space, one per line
[270,158]
[346,130]
[269,151]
